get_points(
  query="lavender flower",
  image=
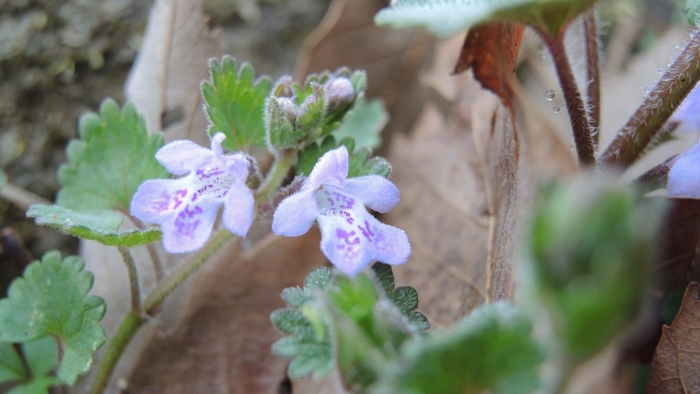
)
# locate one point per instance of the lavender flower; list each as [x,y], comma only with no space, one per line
[186,207]
[684,176]
[350,237]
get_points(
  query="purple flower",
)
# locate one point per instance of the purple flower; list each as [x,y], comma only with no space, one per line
[684,176]
[186,207]
[688,113]
[351,238]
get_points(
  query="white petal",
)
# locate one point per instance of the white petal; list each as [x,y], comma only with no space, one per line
[239,209]
[157,200]
[684,177]
[190,228]
[182,156]
[332,166]
[295,214]
[375,191]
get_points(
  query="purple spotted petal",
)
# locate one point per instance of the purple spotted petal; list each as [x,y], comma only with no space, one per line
[332,166]
[190,228]
[238,209]
[182,156]
[157,200]
[351,242]
[295,215]
[684,177]
[375,191]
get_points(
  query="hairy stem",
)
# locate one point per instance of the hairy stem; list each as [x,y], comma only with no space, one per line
[133,279]
[590,32]
[127,329]
[657,107]
[574,102]
[276,176]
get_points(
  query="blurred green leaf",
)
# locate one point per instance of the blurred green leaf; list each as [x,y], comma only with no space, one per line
[38,385]
[3,179]
[405,298]
[101,227]
[361,164]
[692,11]
[41,355]
[235,103]
[592,243]
[11,365]
[114,156]
[491,351]
[50,299]
[447,17]
[364,124]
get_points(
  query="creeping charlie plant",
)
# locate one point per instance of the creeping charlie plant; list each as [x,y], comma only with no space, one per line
[288,156]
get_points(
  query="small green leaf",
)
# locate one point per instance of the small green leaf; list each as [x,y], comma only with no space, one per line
[360,164]
[235,103]
[308,343]
[405,298]
[692,11]
[491,351]
[447,17]
[41,355]
[3,179]
[50,299]
[11,365]
[101,227]
[38,385]
[114,156]
[364,124]
[312,113]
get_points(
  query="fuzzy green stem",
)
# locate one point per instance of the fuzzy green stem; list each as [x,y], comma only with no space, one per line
[583,136]
[276,176]
[127,329]
[133,279]
[646,123]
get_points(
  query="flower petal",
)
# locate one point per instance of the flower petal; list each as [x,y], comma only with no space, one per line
[688,112]
[295,214]
[238,209]
[684,177]
[238,165]
[190,228]
[375,191]
[333,165]
[158,199]
[352,242]
[182,156]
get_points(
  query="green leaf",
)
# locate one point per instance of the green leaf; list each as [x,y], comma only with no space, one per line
[50,299]
[101,227]
[592,243]
[38,385]
[447,17]
[405,298]
[692,11]
[313,113]
[235,103]
[491,351]
[114,156]
[281,131]
[308,343]
[11,365]
[41,355]
[364,124]
[360,164]
[3,179]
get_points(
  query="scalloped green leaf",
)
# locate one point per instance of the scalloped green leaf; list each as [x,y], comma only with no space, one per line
[364,124]
[447,17]
[51,300]
[405,298]
[112,158]
[235,103]
[11,365]
[101,227]
[692,11]
[491,351]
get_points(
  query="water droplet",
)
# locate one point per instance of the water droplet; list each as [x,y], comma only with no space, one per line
[661,70]
[556,110]
[549,95]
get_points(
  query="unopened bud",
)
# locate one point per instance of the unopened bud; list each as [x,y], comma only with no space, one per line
[340,93]
[288,108]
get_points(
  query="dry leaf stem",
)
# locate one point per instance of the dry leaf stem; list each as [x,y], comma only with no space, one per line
[646,123]
[583,136]
[590,32]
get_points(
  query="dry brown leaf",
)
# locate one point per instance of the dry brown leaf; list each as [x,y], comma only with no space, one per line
[681,233]
[171,64]
[223,344]
[676,365]
[491,51]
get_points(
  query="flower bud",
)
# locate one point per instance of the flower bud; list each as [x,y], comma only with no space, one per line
[340,94]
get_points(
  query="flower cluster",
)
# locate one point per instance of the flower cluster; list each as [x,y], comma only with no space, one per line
[186,207]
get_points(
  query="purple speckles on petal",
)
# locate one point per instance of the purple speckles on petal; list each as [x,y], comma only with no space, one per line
[351,238]
[187,207]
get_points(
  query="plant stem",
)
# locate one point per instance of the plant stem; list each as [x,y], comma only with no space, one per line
[276,176]
[127,329]
[574,102]
[657,107]
[133,279]
[590,32]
